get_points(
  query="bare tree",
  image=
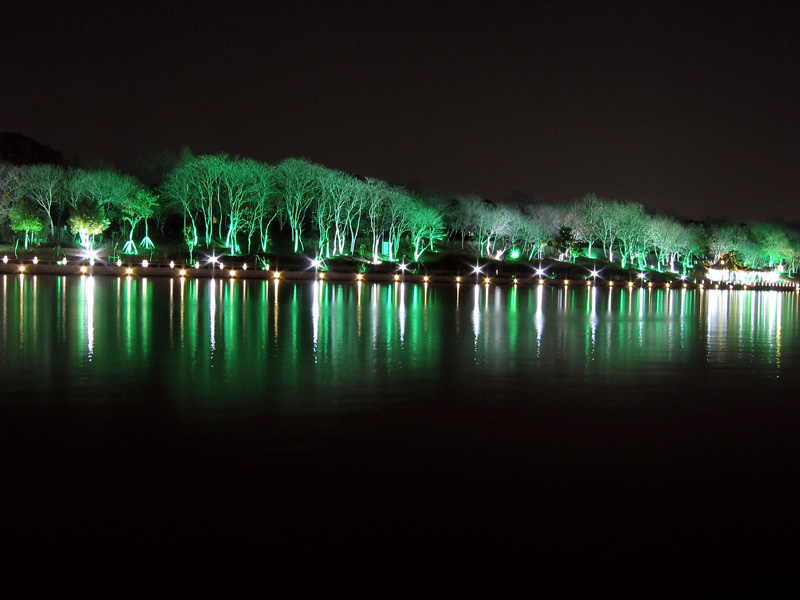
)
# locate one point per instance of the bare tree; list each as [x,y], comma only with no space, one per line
[426,226]
[263,208]
[44,185]
[9,180]
[297,184]
[376,195]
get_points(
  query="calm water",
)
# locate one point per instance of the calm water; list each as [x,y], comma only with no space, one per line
[620,436]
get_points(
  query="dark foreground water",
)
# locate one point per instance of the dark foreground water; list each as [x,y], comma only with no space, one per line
[480,439]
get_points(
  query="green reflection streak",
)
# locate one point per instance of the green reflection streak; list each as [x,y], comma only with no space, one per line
[513,323]
[129,326]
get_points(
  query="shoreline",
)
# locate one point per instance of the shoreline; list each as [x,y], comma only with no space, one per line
[78,269]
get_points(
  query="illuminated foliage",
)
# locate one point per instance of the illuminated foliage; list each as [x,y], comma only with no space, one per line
[691,244]
[338,211]
[605,224]
[771,243]
[239,181]
[673,242]
[376,196]
[726,238]
[9,180]
[27,217]
[263,206]
[583,219]
[488,222]
[630,230]
[426,226]
[221,198]
[87,220]
[140,206]
[203,174]
[224,201]
[396,219]
[460,216]
[758,245]
[534,236]
[663,236]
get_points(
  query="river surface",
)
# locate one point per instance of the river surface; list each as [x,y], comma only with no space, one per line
[604,440]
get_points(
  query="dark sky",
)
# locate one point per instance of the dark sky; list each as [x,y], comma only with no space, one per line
[690,108]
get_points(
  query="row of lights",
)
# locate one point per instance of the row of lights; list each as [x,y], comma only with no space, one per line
[426,279]
[316,263]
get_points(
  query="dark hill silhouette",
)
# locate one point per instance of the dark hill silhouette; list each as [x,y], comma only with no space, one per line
[18,149]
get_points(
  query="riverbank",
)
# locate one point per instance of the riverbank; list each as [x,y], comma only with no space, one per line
[241,270]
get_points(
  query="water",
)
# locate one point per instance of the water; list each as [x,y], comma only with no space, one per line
[616,438]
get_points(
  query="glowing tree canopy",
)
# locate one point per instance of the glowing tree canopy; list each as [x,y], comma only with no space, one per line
[27,217]
[225,202]
[139,207]
[87,220]
[426,226]
[376,196]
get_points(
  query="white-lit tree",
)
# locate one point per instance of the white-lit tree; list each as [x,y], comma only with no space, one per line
[298,184]
[376,195]
[45,186]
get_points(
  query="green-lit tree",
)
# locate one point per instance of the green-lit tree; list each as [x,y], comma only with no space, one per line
[226,198]
[196,186]
[27,217]
[794,248]
[376,195]
[664,236]
[76,186]
[490,223]
[772,242]
[547,220]
[353,210]
[106,187]
[517,238]
[206,173]
[461,217]
[180,188]
[298,184]
[630,220]
[139,207]
[239,180]
[724,238]
[692,244]
[534,235]
[396,219]
[9,180]
[426,227]
[333,210]
[342,197]
[606,223]
[263,209]
[583,219]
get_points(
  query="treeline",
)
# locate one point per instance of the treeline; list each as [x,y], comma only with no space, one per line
[240,204]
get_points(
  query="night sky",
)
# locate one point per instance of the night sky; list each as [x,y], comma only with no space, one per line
[690,108]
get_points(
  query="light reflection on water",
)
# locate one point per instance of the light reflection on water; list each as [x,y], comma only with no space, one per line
[248,345]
